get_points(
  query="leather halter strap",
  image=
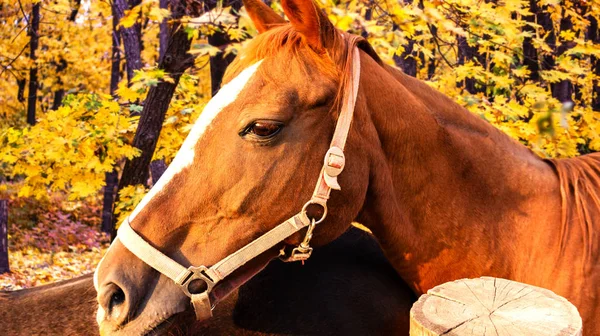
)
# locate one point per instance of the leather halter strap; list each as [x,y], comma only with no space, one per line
[332,167]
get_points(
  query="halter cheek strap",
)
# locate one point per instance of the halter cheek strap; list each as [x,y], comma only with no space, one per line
[332,167]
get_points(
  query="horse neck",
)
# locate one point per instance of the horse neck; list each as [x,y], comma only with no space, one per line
[448,191]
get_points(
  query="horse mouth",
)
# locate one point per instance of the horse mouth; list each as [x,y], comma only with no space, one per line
[172,325]
[243,275]
[162,326]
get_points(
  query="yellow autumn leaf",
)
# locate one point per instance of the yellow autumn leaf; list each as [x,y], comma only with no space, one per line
[202,49]
[131,17]
[158,14]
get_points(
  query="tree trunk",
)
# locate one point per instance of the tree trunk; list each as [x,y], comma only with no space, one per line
[219,62]
[60,92]
[74,10]
[532,59]
[431,65]
[21,89]
[34,27]
[157,168]
[115,59]
[218,65]
[62,64]
[563,90]
[530,54]
[4,266]
[469,53]
[112,179]
[432,62]
[59,95]
[163,34]
[131,38]
[593,35]
[175,61]
[545,21]
[408,60]
[368,16]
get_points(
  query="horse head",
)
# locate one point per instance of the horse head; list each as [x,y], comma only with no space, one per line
[247,169]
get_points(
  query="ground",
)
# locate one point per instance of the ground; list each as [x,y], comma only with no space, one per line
[52,239]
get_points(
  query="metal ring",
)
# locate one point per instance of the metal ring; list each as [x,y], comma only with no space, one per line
[324,205]
[197,274]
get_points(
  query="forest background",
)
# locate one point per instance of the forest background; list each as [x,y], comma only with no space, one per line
[96,97]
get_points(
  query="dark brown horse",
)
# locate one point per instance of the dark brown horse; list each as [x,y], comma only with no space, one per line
[347,287]
[62,308]
[448,195]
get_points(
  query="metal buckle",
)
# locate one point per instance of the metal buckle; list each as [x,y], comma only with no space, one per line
[299,253]
[302,251]
[335,161]
[196,273]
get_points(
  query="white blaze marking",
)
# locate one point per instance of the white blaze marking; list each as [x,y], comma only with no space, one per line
[185,156]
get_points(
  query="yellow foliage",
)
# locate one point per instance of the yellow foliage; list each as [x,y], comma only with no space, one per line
[130,197]
[131,17]
[72,147]
[509,99]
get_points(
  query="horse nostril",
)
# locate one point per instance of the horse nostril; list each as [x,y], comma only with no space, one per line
[114,302]
[116,299]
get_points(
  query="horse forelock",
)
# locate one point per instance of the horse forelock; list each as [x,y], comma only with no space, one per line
[283,39]
[580,192]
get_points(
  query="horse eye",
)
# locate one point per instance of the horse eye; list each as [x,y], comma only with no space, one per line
[264,129]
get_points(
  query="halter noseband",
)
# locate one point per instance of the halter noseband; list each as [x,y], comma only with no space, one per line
[332,167]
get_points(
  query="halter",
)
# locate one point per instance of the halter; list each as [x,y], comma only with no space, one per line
[332,167]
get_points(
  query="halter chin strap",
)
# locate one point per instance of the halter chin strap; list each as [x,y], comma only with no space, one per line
[332,167]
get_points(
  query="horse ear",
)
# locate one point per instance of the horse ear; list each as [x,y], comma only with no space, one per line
[309,20]
[263,17]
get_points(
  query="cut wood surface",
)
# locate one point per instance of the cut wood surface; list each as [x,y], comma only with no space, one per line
[492,306]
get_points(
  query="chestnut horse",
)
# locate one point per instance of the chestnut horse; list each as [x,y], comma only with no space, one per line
[447,195]
[348,287]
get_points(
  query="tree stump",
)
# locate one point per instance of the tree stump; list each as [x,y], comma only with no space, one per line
[492,306]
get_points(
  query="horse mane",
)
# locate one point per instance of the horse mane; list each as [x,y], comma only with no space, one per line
[579,180]
[336,63]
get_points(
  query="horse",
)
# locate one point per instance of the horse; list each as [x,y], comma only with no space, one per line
[447,195]
[62,308]
[347,287]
